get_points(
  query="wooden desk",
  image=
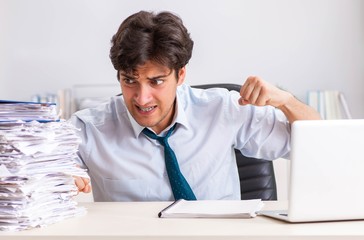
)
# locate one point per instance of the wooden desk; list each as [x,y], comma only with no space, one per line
[138,220]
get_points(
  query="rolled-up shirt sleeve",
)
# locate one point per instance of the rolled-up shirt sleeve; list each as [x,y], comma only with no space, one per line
[264,132]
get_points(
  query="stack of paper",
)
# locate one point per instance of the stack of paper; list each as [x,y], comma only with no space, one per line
[37,165]
[27,111]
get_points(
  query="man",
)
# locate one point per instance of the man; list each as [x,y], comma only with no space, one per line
[126,163]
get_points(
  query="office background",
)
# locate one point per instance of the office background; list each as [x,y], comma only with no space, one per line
[298,45]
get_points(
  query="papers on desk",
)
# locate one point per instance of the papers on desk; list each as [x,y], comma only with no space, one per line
[212,209]
[37,165]
[27,111]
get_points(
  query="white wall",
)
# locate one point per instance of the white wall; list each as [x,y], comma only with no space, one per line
[46,45]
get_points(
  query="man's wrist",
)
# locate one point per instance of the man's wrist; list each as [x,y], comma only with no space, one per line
[288,101]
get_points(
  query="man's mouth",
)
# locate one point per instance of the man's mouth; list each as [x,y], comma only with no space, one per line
[146,109]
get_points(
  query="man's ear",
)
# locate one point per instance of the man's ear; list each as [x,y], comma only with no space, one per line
[118,75]
[181,75]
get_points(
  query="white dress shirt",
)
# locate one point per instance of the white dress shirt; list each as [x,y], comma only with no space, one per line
[125,165]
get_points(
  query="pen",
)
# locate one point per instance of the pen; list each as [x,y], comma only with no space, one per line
[160,214]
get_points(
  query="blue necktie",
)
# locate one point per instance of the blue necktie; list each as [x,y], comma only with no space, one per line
[180,187]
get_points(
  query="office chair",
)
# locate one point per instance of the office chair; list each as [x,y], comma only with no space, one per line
[257,179]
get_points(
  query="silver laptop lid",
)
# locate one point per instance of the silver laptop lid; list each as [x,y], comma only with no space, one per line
[327,170]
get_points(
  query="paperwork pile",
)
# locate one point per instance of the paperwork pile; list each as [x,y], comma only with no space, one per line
[37,165]
[27,111]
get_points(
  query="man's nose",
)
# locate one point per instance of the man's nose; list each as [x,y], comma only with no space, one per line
[144,95]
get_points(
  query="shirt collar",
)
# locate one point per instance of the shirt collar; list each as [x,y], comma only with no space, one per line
[179,117]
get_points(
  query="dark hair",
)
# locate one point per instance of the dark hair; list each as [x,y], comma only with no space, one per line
[145,36]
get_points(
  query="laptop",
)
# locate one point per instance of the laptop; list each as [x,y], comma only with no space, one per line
[327,172]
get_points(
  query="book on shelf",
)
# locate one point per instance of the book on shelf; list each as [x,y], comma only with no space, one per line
[66,105]
[331,104]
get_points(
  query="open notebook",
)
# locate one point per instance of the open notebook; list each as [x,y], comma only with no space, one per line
[212,209]
[327,172]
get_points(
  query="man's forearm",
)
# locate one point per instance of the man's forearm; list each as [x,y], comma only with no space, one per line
[296,110]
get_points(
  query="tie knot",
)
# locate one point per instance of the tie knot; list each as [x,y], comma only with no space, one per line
[161,140]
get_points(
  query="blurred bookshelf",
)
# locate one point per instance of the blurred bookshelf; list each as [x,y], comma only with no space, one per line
[331,104]
[70,100]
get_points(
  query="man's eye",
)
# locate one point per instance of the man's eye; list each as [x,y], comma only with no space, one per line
[157,81]
[128,81]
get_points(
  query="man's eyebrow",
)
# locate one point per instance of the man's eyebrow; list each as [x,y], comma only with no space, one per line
[157,77]
[127,76]
[160,76]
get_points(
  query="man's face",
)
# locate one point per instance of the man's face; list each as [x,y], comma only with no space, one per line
[150,94]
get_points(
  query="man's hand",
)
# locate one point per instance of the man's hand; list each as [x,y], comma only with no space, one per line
[257,92]
[83,184]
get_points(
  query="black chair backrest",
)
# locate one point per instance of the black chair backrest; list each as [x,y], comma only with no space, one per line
[257,179]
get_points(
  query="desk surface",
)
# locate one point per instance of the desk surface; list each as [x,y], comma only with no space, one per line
[139,220]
